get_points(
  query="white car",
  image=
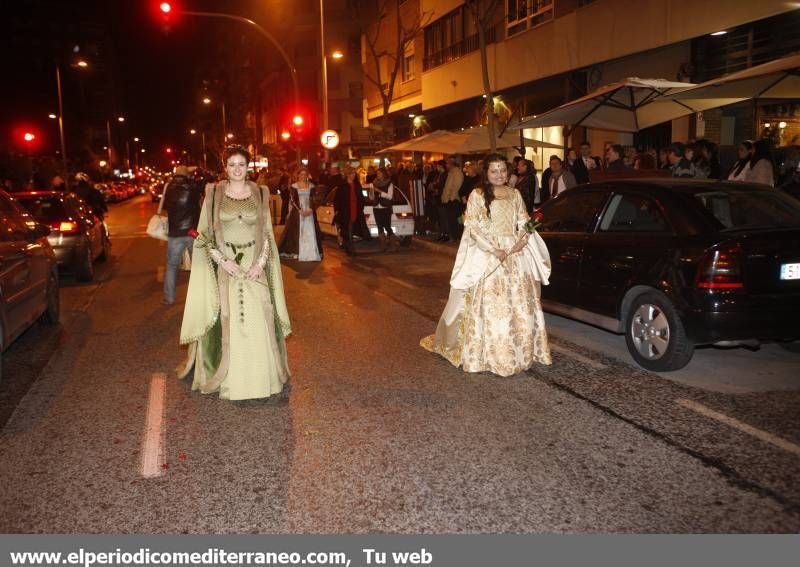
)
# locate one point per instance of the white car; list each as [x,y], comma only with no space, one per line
[402,217]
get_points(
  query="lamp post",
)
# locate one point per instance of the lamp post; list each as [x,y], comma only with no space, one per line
[335,55]
[61,122]
[83,65]
[120,119]
[203,138]
[207,100]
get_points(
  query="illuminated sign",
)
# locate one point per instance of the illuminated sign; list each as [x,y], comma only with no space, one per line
[329,139]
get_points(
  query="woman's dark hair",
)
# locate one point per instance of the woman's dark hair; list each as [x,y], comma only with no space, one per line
[488,189]
[761,151]
[741,163]
[231,151]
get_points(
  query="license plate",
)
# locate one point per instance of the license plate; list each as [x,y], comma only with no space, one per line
[790,271]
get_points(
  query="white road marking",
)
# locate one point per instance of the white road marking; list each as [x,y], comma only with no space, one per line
[130,236]
[578,357]
[741,426]
[400,282]
[152,442]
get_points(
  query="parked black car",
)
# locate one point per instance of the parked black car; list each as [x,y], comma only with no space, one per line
[77,236]
[28,274]
[675,263]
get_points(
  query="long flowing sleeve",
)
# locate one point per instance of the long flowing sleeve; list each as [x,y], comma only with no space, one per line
[476,222]
[202,298]
[474,254]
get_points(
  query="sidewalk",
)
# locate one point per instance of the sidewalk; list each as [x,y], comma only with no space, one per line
[446,248]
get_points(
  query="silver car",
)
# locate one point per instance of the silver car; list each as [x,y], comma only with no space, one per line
[77,236]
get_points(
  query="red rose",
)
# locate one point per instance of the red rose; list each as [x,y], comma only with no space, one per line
[193,233]
[538,216]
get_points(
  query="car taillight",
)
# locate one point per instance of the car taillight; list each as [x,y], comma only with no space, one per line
[721,269]
[65,227]
[405,215]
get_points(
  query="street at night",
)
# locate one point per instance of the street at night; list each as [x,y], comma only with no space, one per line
[378,435]
[442,283]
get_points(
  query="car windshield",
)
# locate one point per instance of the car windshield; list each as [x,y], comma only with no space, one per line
[44,209]
[737,209]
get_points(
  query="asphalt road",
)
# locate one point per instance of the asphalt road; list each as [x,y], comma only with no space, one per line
[378,435]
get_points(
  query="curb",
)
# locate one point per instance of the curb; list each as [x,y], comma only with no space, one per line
[446,249]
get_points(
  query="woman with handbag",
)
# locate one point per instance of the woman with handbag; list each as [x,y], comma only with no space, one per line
[301,239]
[383,191]
[235,321]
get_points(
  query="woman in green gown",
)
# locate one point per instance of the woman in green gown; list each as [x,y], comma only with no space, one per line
[235,320]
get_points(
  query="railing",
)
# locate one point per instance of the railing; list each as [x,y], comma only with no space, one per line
[456,50]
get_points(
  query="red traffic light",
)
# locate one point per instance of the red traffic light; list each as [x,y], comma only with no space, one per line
[29,137]
[165,7]
[297,120]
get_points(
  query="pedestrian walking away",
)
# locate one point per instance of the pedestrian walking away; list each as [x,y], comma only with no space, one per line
[493,319]
[235,320]
[182,204]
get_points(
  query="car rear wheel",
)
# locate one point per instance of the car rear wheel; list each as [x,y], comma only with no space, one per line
[53,311]
[84,271]
[655,335]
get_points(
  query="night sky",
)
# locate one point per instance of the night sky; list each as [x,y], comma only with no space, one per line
[156,77]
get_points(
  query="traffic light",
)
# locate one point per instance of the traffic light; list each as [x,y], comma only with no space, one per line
[166,12]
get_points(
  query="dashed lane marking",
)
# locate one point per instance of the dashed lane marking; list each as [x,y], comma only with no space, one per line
[152,441]
[130,236]
[578,357]
[400,282]
[741,426]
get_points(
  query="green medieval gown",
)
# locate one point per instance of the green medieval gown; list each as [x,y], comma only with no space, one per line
[235,327]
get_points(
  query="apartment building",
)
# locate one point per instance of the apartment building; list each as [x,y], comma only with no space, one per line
[542,53]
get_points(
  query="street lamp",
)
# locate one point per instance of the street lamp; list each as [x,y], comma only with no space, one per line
[82,64]
[167,8]
[336,55]
[120,119]
[207,100]
[203,137]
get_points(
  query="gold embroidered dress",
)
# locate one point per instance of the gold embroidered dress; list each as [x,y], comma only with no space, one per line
[235,327]
[493,319]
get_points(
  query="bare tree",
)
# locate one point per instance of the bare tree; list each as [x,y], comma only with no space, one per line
[374,19]
[483,13]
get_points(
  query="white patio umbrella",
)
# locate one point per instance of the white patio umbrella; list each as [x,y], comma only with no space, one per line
[626,106]
[415,144]
[777,79]
[472,140]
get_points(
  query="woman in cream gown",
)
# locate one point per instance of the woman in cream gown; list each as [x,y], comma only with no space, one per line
[493,319]
[235,320]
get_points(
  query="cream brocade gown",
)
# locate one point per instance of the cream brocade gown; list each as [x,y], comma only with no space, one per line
[493,319]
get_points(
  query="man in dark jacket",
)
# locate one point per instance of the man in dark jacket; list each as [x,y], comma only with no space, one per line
[182,205]
[94,198]
[585,163]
